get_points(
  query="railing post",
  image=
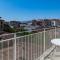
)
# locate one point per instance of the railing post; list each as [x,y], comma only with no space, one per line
[2,51]
[14,49]
[44,39]
[55,32]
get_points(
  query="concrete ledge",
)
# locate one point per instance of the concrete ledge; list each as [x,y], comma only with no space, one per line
[46,53]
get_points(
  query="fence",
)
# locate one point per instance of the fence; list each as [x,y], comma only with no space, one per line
[28,47]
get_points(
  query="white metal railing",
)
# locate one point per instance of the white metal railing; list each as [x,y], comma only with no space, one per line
[28,47]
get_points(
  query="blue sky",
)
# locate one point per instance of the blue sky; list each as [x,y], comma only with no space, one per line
[24,10]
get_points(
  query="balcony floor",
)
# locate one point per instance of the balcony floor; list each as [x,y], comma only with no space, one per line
[55,55]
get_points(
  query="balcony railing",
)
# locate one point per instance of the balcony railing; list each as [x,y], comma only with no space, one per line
[34,46]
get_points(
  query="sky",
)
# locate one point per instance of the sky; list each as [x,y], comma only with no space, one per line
[24,10]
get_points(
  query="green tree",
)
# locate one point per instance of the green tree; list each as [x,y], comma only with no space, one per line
[7,28]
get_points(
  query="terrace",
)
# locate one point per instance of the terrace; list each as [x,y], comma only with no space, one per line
[36,46]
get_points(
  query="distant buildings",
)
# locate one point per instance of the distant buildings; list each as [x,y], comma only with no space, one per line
[45,23]
[14,24]
[42,23]
[30,25]
[36,24]
[55,22]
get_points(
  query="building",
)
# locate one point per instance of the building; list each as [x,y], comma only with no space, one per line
[47,23]
[15,24]
[42,23]
[55,22]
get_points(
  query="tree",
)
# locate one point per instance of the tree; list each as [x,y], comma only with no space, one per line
[7,28]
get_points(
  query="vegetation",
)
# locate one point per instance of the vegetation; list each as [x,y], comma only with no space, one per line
[23,33]
[21,29]
[7,28]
